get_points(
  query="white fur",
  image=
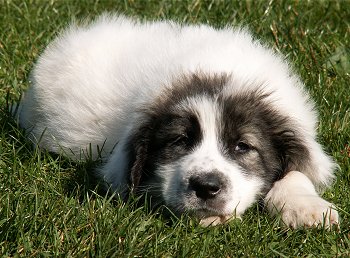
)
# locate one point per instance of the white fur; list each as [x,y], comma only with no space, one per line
[295,198]
[89,83]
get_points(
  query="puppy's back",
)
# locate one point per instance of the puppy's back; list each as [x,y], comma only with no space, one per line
[89,82]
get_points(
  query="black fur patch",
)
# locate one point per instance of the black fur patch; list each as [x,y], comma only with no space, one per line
[190,86]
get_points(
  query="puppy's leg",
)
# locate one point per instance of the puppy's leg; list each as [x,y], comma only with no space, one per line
[294,197]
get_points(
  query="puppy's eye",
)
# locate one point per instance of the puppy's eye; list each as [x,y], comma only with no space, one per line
[242,147]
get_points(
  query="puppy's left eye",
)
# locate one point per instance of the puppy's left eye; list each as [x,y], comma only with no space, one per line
[242,147]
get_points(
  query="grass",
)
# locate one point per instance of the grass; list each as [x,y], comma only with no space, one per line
[48,206]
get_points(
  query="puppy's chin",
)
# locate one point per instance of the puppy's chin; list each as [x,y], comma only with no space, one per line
[217,220]
[209,215]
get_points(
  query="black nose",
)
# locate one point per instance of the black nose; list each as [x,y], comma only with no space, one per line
[206,186]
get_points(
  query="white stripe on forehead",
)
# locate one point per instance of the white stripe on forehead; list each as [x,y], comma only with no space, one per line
[209,117]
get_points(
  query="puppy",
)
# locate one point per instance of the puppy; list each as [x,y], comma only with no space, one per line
[205,121]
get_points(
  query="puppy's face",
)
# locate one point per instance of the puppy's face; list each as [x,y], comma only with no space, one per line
[208,154]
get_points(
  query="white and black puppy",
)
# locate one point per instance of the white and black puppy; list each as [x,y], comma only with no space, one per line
[206,121]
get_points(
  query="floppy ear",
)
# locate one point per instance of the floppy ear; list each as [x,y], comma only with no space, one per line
[138,146]
[294,154]
[304,154]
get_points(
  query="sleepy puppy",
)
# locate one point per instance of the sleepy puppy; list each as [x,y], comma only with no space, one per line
[205,121]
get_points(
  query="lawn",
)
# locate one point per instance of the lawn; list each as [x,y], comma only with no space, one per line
[48,204]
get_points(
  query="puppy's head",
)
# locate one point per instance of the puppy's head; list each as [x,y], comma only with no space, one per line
[208,153]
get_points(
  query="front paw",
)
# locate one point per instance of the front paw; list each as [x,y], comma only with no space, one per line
[294,198]
[308,211]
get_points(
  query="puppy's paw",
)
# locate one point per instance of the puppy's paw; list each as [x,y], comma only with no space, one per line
[310,211]
[294,198]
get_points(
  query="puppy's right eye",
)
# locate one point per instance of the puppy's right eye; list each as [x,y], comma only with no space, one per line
[242,147]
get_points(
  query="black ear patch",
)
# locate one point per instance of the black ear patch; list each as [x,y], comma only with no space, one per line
[137,148]
[293,152]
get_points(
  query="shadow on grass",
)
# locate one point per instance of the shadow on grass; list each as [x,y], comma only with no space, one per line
[77,177]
